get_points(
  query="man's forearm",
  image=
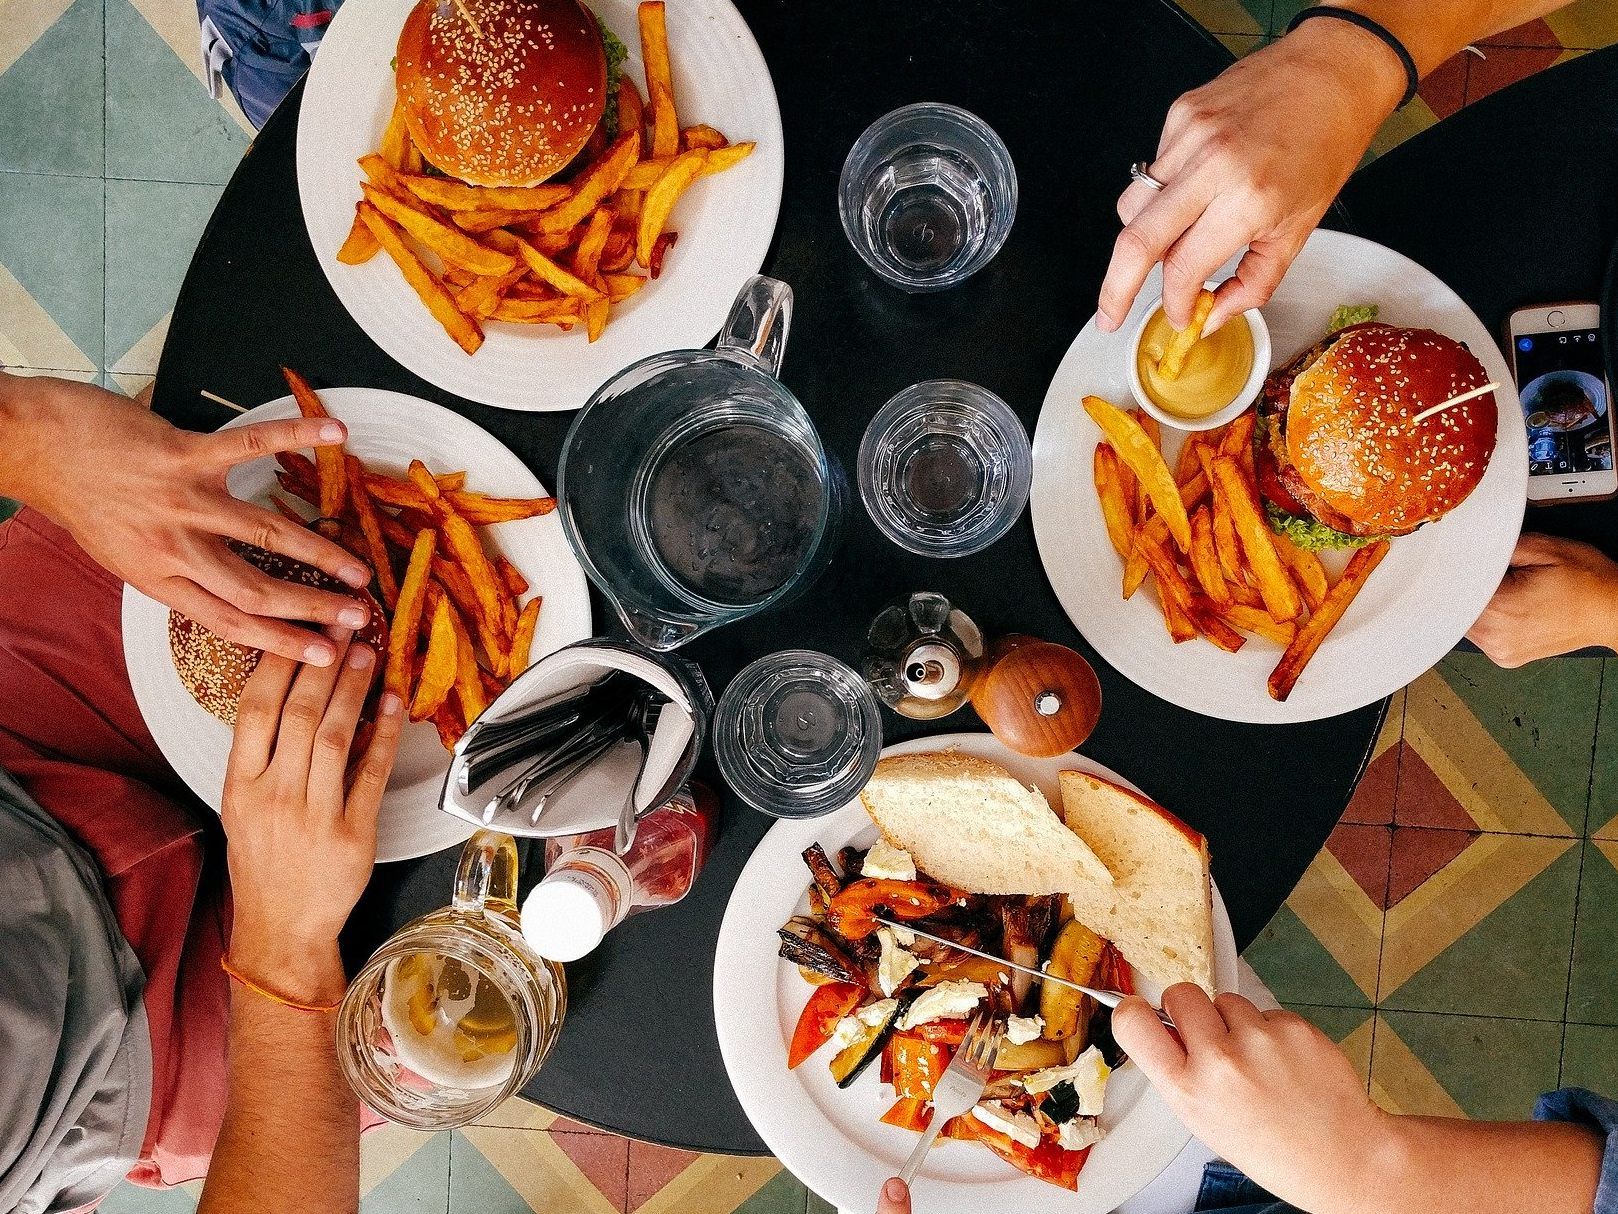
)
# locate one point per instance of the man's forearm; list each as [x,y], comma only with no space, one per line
[290,1139]
[1475,1167]
[1434,30]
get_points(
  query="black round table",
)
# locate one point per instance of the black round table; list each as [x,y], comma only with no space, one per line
[1078,93]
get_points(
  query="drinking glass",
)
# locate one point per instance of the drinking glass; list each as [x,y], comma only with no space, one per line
[455,1012]
[927,196]
[797,734]
[693,486]
[945,468]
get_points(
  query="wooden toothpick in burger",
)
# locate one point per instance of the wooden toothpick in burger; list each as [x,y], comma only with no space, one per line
[1460,398]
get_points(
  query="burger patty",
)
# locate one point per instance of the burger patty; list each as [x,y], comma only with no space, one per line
[1279,481]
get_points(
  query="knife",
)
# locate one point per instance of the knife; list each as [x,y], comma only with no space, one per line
[1105,998]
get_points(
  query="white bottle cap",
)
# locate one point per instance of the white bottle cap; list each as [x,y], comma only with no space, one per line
[566,915]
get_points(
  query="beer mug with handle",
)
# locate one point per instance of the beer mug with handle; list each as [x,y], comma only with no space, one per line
[455,1012]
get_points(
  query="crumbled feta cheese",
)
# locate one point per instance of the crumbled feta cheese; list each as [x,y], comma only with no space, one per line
[946,1001]
[876,1014]
[903,935]
[1079,1133]
[1087,1073]
[852,1028]
[887,862]
[895,964]
[1022,1029]
[847,1032]
[1019,1127]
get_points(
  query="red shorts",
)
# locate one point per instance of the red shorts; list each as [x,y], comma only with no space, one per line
[72,736]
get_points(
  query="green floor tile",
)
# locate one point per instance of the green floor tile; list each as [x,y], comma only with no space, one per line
[132,1199]
[1593,991]
[152,231]
[784,1194]
[1514,962]
[1543,715]
[497,1171]
[819,1205]
[1494,1069]
[1338,1023]
[1590,1058]
[1229,16]
[161,123]
[8,508]
[52,242]
[50,99]
[1297,968]
[1603,819]
[420,1185]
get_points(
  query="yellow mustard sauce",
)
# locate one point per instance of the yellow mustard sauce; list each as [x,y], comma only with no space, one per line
[1215,370]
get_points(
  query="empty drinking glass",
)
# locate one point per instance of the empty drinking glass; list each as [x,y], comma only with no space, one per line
[927,196]
[945,468]
[797,734]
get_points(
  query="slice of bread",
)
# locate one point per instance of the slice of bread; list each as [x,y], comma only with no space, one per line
[969,823]
[1161,917]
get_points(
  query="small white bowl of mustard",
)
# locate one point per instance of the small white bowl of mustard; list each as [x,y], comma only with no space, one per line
[1223,373]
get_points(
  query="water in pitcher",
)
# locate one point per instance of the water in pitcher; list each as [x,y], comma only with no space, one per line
[733,511]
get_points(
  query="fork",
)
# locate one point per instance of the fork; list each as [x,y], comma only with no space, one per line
[960,1086]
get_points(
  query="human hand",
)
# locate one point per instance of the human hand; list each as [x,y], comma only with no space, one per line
[1267,1091]
[1252,158]
[148,502]
[1557,596]
[894,1198]
[301,828]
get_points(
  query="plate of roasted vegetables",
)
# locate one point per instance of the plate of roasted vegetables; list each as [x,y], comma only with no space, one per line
[835,1027]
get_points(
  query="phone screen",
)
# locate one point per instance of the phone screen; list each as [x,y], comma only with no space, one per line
[1564,402]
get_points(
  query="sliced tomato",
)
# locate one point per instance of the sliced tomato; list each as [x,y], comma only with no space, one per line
[909,1113]
[1269,482]
[828,1005]
[1047,1162]
[917,1065]
[1114,972]
[852,913]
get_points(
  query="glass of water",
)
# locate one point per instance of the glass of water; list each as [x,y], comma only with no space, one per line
[945,468]
[927,196]
[797,734]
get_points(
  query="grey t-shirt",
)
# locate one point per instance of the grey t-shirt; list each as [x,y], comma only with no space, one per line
[75,1052]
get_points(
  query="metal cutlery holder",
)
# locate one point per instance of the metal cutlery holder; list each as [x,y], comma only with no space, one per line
[557,753]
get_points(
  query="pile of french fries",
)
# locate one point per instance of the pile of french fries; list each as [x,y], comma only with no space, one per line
[552,254]
[1199,531]
[458,633]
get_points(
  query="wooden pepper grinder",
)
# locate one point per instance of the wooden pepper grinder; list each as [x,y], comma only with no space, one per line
[926,658]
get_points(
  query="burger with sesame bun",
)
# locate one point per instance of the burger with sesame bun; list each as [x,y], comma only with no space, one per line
[215,670]
[1340,459]
[506,92]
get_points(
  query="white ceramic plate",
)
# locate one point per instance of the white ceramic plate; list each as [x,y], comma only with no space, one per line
[831,1138]
[725,222]
[386,430]
[1420,601]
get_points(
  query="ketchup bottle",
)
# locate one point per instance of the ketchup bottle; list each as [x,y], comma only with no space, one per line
[588,890]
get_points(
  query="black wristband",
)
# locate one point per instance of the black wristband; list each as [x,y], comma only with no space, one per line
[1377,30]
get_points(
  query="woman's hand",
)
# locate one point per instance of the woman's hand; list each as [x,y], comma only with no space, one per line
[148,502]
[1267,1091]
[894,1198]
[301,827]
[1559,595]
[1253,159]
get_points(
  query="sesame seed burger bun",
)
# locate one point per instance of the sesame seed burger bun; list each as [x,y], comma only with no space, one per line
[215,670]
[509,106]
[1351,439]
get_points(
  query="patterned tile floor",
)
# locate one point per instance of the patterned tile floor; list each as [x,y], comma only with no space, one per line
[1459,933]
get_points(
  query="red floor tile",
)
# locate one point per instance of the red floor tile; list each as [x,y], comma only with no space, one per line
[1363,851]
[1500,66]
[1423,799]
[601,1157]
[1417,854]
[1530,33]
[651,1167]
[1372,804]
[1444,90]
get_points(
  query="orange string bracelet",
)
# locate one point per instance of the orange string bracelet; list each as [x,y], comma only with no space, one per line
[265,993]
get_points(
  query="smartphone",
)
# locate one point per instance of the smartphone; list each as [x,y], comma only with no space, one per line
[1566,401]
